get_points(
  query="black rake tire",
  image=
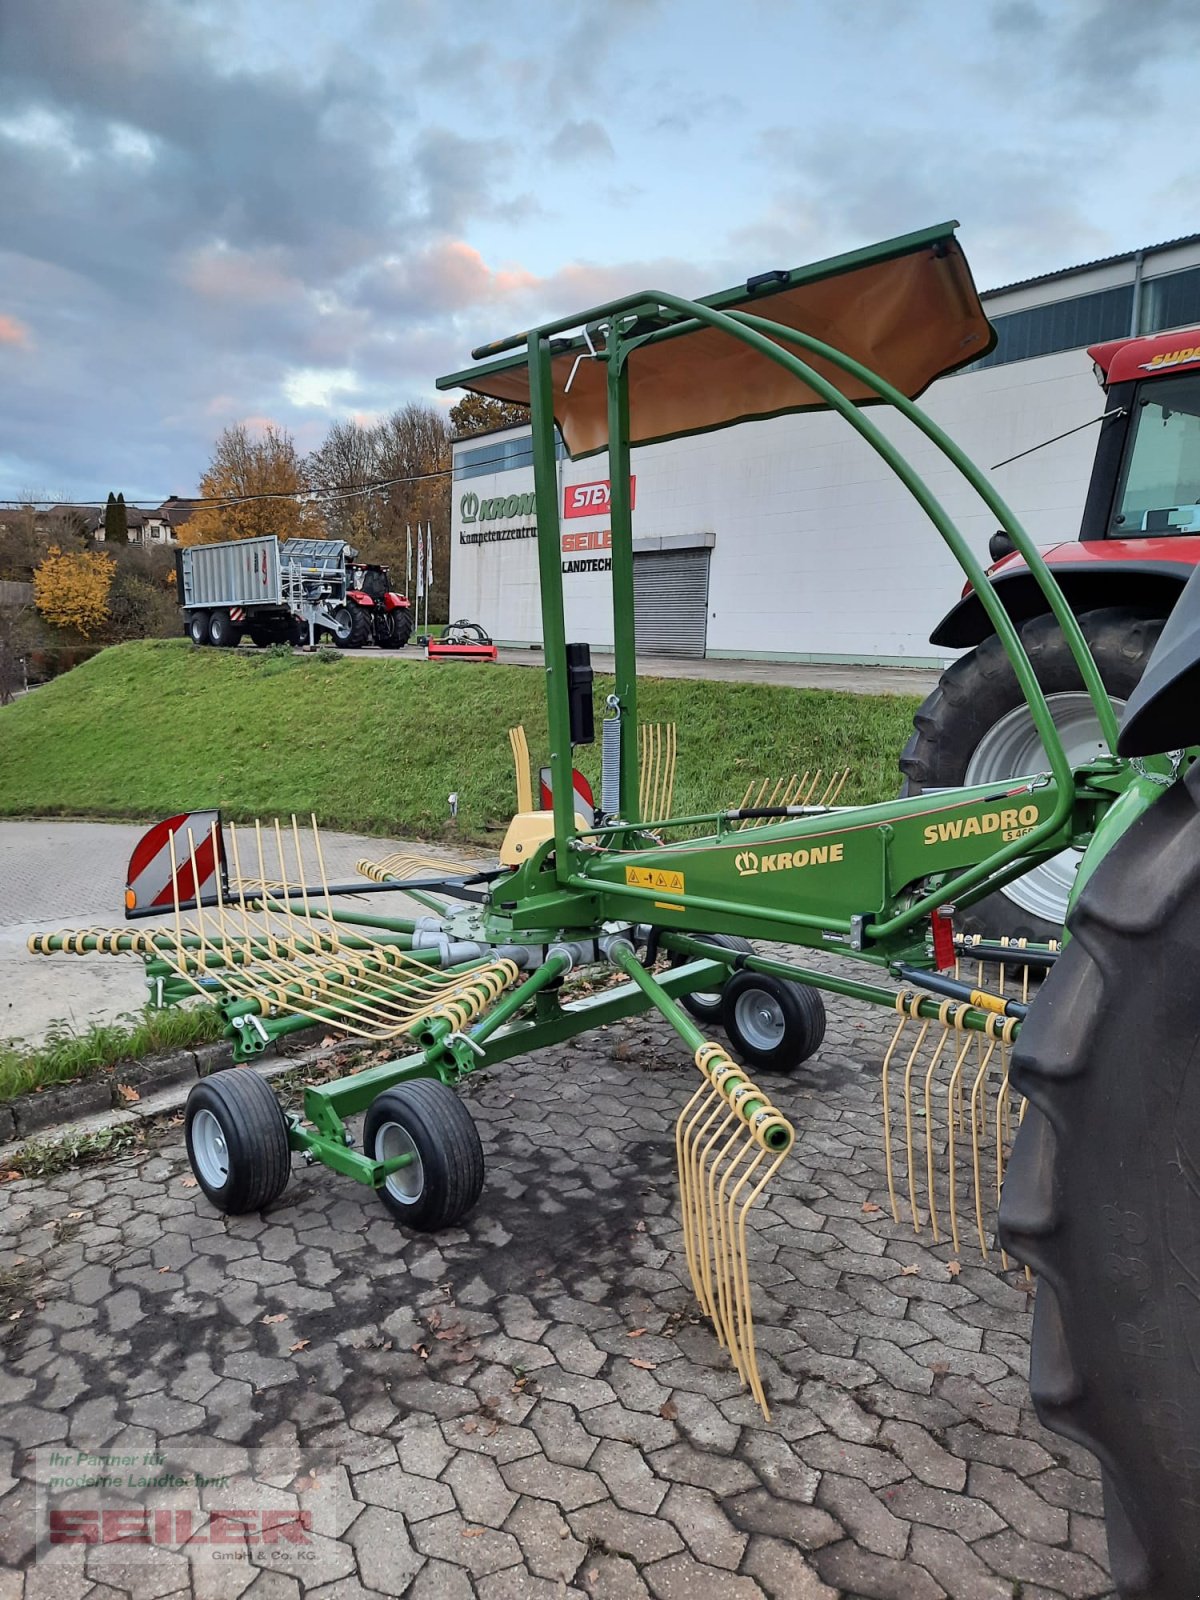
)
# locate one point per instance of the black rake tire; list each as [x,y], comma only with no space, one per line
[705,1005]
[197,627]
[1102,1196]
[773,1024]
[426,1119]
[234,1118]
[980,689]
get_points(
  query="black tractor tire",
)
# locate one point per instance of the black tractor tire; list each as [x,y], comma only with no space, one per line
[705,1005]
[402,625]
[354,626]
[1102,1195]
[773,1024]
[237,1141]
[385,630]
[426,1119]
[197,627]
[223,631]
[980,689]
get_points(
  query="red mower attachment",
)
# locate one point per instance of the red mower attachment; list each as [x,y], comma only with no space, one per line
[461,641]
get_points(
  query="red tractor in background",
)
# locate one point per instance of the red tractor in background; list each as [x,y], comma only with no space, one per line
[380,615]
[1138,546]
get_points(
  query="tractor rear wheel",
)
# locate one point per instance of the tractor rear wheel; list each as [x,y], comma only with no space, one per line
[237,1141]
[197,627]
[772,1023]
[444,1176]
[1102,1196]
[976,728]
[403,626]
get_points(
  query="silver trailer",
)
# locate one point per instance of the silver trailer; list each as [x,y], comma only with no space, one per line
[277,593]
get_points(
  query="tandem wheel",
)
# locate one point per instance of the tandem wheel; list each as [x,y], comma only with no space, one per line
[704,1004]
[772,1023]
[237,1141]
[443,1180]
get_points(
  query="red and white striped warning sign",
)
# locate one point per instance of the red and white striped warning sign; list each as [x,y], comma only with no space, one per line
[237,613]
[199,854]
[585,805]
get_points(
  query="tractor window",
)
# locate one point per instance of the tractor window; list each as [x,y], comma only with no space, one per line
[1160,486]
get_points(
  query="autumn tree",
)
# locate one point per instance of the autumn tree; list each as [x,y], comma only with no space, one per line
[480,413]
[70,589]
[407,456]
[244,467]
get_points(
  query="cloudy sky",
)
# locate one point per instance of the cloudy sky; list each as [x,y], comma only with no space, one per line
[237,210]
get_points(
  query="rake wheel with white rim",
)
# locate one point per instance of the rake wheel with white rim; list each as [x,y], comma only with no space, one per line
[237,1141]
[443,1178]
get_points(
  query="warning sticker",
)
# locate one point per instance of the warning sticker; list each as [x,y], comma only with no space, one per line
[654,878]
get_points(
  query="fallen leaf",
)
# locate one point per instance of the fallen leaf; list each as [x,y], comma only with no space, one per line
[470,1425]
[456,1332]
[870,1208]
[420,1350]
[300,1344]
[161,1270]
[593,1575]
[492,1428]
[9,1177]
[278,1316]
[473,1533]
[635,1333]
[188,1183]
[74,1216]
[435,1318]
[16,1315]
[939,1368]
[910,1272]
[329,1038]
[954,1268]
[128,1092]
[640,1227]
[668,1410]
[646,1366]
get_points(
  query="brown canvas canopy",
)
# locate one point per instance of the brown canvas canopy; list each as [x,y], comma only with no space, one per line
[906,308]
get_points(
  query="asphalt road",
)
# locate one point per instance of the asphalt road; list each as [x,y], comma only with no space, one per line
[793,674]
[57,875]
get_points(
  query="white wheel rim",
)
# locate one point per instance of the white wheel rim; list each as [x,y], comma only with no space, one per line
[760,1019]
[1011,748]
[209,1150]
[406,1184]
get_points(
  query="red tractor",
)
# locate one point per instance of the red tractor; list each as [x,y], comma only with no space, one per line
[1138,546]
[381,616]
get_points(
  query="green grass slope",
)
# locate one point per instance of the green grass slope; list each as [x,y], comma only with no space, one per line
[154,727]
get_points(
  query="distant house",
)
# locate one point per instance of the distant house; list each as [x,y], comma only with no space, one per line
[158,526]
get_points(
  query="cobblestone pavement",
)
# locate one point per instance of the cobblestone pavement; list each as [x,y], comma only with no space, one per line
[494,1422]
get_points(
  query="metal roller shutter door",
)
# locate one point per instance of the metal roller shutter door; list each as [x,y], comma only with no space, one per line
[670,600]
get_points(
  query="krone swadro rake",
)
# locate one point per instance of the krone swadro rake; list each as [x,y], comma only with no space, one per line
[501,961]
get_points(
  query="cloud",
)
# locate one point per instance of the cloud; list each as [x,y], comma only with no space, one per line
[446,277]
[13,332]
[580,141]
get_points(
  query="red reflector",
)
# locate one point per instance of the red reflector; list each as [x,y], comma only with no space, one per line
[943,939]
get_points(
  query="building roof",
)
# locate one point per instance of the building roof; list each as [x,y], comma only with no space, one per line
[1088,266]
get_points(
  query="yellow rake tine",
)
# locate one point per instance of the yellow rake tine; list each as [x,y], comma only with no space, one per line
[669,798]
[324,875]
[953,1091]
[736,1149]
[908,1127]
[681,1123]
[699,1156]
[976,1133]
[756,1381]
[943,1011]
[746,1154]
[887,1109]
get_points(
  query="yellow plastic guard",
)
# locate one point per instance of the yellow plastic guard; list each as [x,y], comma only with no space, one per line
[526,831]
